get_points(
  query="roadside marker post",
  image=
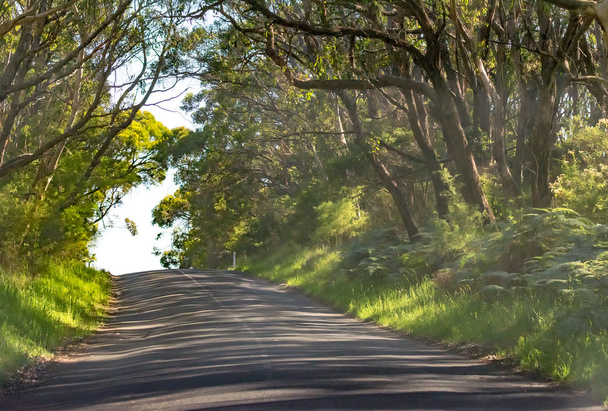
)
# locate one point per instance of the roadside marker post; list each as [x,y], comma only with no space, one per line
[234,260]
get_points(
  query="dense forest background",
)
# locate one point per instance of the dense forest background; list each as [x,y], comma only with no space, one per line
[390,113]
[457,146]
[318,118]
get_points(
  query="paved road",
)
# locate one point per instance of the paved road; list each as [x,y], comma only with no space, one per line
[188,340]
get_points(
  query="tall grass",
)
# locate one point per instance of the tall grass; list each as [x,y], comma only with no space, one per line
[522,328]
[63,301]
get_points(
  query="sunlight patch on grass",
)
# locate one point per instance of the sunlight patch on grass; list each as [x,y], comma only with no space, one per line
[37,314]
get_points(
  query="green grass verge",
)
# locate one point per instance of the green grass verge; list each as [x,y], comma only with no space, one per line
[64,301]
[524,328]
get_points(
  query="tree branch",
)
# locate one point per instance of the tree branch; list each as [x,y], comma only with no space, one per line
[580,6]
[370,84]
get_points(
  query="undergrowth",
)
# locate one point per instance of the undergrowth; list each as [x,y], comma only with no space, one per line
[63,301]
[533,291]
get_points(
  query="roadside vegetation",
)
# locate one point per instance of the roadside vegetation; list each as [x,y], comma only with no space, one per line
[546,314]
[62,303]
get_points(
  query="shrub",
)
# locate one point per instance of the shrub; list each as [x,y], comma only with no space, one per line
[582,184]
[339,221]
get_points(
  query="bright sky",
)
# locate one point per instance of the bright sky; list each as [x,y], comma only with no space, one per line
[117,250]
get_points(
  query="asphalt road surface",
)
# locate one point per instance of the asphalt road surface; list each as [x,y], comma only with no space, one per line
[189,340]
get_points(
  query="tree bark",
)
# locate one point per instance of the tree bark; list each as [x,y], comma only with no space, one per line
[16,70]
[499,150]
[541,144]
[458,147]
[440,186]
[417,118]
[528,94]
[546,106]
[388,181]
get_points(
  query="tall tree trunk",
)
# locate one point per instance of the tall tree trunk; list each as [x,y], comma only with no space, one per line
[16,70]
[499,151]
[546,107]
[338,116]
[441,189]
[528,95]
[541,144]
[458,147]
[388,181]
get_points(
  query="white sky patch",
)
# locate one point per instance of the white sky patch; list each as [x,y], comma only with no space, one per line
[117,250]
[165,103]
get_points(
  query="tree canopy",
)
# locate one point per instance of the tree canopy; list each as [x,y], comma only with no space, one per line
[400,109]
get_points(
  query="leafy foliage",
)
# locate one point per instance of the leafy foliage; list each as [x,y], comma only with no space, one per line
[63,221]
[582,184]
[339,221]
[380,257]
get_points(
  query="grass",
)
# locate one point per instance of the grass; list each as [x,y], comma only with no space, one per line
[63,302]
[527,328]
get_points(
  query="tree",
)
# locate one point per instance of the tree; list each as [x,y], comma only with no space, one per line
[73,142]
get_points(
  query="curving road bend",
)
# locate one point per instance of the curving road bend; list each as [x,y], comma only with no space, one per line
[194,340]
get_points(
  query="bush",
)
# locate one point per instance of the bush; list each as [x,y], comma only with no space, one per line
[339,221]
[583,182]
